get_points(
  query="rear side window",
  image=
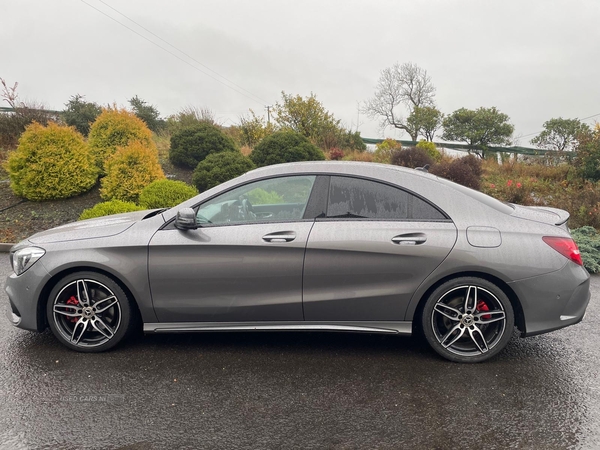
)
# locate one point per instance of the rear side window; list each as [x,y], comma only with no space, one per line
[359,198]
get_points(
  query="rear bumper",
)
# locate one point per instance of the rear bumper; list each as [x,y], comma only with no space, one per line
[555,300]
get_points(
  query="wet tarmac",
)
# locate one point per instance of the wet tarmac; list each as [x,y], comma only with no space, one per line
[298,390]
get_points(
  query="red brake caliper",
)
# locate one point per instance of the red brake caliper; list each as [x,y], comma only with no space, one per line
[482,306]
[73,301]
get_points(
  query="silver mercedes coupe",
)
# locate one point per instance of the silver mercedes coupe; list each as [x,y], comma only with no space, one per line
[327,246]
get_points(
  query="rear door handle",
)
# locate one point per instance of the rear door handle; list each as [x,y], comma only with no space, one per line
[410,239]
[280,236]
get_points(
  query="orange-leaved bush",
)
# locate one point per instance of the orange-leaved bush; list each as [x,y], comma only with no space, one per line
[129,171]
[116,128]
[51,162]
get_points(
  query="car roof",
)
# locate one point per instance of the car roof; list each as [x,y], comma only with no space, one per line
[357,167]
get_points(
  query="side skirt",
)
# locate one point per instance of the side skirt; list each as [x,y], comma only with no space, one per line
[404,328]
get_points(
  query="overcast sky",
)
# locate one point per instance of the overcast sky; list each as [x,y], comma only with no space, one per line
[532,59]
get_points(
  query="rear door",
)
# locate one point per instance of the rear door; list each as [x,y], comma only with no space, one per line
[375,246]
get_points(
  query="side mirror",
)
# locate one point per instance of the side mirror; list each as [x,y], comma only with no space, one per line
[186,219]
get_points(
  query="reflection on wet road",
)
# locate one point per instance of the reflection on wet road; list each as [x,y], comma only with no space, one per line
[313,390]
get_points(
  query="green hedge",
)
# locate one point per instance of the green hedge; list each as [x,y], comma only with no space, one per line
[219,168]
[283,147]
[191,145]
[52,162]
[108,208]
[166,194]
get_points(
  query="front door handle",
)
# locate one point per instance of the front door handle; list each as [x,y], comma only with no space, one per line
[410,239]
[280,236]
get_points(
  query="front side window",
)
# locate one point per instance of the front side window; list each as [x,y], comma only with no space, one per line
[274,200]
[365,199]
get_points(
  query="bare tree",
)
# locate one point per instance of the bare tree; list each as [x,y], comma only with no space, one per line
[400,85]
[14,122]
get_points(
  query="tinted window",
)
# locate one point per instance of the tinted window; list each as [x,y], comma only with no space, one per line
[354,197]
[272,200]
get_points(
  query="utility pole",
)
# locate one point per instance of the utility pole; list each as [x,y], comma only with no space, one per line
[268,113]
[357,116]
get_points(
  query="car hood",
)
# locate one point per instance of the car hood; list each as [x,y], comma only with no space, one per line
[89,229]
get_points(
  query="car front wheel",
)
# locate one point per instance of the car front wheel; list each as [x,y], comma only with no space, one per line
[468,319]
[88,312]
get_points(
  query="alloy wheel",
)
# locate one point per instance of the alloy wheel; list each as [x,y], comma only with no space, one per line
[468,320]
[87,313]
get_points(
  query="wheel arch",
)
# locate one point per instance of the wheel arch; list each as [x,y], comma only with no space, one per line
[42,319]
[510,293]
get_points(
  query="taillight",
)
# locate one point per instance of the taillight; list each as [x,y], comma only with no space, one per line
[565,246]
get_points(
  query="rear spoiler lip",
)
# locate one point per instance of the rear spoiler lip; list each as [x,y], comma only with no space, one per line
[563,216]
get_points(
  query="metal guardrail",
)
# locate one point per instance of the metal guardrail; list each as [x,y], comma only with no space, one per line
[7,109]
[465,148]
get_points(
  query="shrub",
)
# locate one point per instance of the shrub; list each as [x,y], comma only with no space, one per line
[588,155]
[336,154]
[191,145]
[535,169]
[525,183]
[189,116]
[253,129]
[580,198]
[536,184]
[411,157]
[352,141]
[108,208]
[129,171]
[431,150]
[148,113]
[474,163]
[358,156]
[80,114]
[51,162]
[14,123]
[220,167]
[285,146]
[166,194]
[466,171]
[512,191]
[588,241]
[116,128]
[385,149]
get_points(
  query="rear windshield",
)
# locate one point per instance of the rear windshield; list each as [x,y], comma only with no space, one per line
[479,196]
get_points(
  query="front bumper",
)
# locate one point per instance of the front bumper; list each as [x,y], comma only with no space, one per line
[23,293]
[554,300]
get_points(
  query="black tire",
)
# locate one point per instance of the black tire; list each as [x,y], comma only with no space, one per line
[91,326]
[468,331]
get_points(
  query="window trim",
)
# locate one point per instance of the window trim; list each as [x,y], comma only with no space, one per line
[374,219]
[170,225]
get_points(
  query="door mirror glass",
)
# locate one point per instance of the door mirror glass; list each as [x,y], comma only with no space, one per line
[186,219]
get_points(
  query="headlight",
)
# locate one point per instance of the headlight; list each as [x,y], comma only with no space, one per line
[24,258]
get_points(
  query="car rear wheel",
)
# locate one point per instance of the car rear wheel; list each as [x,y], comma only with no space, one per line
[468,319]
[89,312]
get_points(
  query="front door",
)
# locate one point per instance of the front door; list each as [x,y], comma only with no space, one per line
[245,261]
